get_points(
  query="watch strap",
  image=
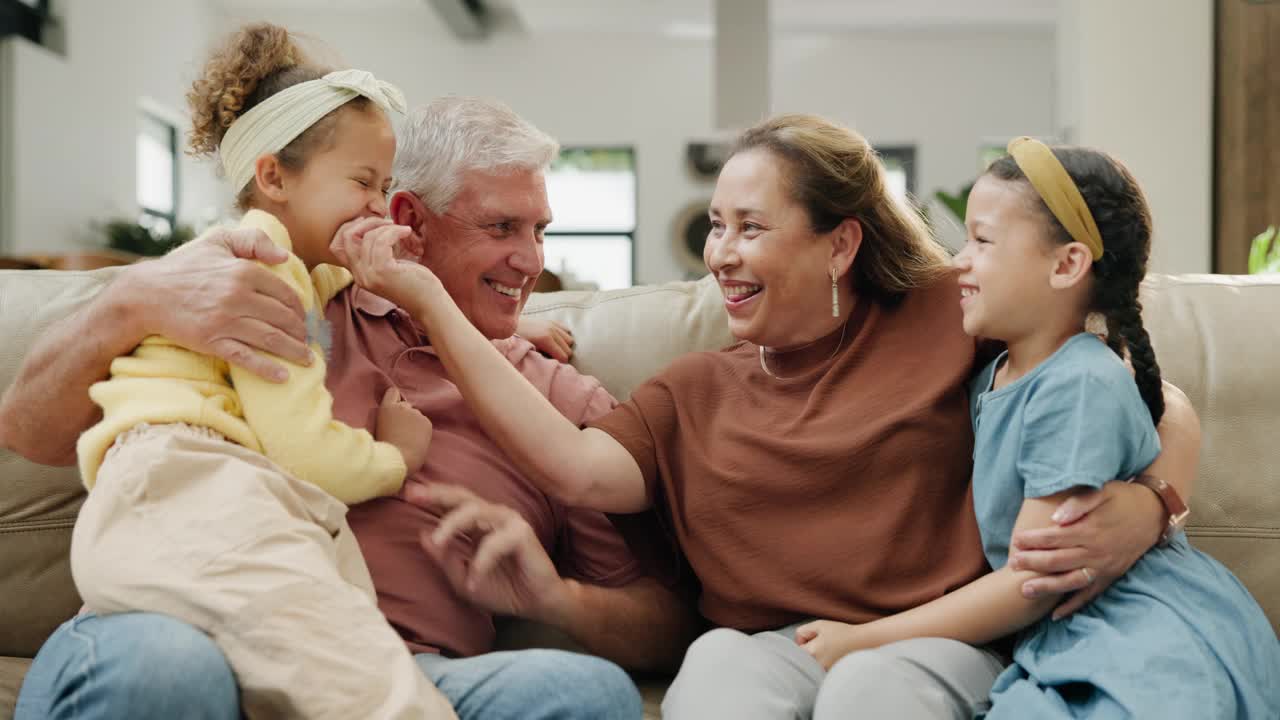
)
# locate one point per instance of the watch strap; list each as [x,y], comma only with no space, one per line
[1174,506]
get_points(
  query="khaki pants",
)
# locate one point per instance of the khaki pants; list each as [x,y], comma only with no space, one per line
[185,523]
[767,676]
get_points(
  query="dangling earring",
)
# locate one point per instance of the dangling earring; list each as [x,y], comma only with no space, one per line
[835,295]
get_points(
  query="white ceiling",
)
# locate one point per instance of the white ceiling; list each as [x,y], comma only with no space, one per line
[694,17]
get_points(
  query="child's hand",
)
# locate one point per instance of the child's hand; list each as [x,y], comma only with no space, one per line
[550,337]
[400,424]
[827,640]
[383,260]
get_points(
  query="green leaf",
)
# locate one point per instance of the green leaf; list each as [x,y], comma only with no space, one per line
[132,237]
[957,203]
[1264,253]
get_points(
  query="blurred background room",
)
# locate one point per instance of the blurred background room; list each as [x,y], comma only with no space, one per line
[644,94]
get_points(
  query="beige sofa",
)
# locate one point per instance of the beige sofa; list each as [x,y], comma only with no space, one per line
[1218,338]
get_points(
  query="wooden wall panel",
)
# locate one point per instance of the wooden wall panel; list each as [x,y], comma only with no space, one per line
[1247,128]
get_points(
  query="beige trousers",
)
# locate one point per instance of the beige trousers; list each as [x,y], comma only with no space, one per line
[185,523]
[767,676]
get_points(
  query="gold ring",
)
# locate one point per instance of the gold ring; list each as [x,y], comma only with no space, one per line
[1088,575]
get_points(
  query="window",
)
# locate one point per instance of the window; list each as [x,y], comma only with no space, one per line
[23,17]
[157,167]
[900,163]
[591,241]
[990,153]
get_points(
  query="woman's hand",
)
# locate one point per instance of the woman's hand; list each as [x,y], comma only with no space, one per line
[548,336]
[1098,536]
[382,257]
[828,640]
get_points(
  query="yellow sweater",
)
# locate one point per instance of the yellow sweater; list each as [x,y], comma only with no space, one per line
[291,423]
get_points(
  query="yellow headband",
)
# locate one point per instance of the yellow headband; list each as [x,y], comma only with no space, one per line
[1058,191]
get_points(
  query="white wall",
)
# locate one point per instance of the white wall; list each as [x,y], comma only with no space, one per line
[75,117]
[1139,84]
[6,140]
[583,89]
[944,91]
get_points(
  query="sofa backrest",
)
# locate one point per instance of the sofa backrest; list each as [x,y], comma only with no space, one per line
[1217,338]
[38,504]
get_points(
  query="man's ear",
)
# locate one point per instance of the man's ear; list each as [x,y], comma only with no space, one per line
[268,174]
[1071,265]
[845,241]
[408,209]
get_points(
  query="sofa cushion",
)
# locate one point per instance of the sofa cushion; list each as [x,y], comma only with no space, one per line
[1217,337]
[624,337]
[38,504]
[11,672]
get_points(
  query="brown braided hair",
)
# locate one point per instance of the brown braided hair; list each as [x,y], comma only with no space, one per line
[1124,221]
[254,63]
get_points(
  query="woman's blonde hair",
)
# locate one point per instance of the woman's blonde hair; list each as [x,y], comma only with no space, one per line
[835,174]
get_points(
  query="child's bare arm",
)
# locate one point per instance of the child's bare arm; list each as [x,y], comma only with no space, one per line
[400,424]
[986,609]
[548,336]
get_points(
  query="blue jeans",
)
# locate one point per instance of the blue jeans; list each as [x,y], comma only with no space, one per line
[143,666]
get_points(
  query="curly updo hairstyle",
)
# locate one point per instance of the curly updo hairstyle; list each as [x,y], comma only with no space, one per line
[254,63]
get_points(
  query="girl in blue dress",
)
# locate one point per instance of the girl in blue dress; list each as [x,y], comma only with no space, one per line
[1053,236]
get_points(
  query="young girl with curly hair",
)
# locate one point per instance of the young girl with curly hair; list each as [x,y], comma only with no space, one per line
[219,498]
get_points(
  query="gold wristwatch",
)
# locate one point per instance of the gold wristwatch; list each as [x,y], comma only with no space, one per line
[1173,505]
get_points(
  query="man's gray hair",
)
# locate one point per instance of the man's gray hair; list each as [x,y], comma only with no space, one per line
[442,140]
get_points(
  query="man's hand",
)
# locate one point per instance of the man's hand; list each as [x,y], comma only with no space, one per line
[1095,531]
[641,625]
[402,425]
[204,297]
[509,573]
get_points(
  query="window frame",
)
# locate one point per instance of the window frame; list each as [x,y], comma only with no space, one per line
[629,235]
[172,216]
[905,155]
[20,18]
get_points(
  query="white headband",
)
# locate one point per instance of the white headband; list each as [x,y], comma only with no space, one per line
[272,124]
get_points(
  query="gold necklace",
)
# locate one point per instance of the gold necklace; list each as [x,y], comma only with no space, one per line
[765,367]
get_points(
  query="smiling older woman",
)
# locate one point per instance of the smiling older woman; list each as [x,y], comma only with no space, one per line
[818,468]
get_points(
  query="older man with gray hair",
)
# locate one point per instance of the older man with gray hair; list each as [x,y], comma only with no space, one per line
[470,187]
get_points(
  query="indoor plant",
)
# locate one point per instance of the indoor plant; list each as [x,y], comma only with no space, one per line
[1264,254]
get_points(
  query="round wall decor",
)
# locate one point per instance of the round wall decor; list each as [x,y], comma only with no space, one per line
[689,236]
